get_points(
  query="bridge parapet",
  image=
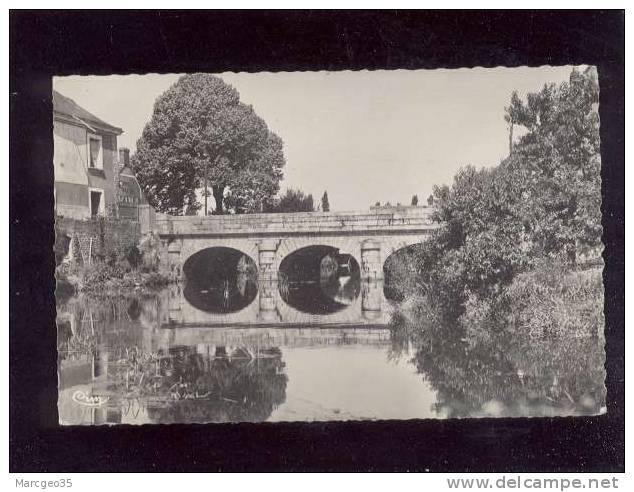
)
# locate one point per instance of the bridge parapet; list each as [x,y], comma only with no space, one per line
[405,219]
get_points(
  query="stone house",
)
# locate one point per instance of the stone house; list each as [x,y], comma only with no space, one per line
[85,159]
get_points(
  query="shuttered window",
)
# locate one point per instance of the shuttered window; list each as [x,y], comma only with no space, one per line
[95,152]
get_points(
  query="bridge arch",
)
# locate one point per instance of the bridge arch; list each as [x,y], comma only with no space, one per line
[318,278]
[202,257]
[399,271]
[219,279]
[395,244]
[344,245]
[192,246]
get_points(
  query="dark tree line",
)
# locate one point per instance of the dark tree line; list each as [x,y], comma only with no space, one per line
[292,201]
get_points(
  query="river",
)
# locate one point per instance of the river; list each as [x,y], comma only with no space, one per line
[232,349]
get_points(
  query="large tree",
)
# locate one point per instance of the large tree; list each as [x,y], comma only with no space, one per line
[542,202]
[254,188]
[202,137]
[557,164]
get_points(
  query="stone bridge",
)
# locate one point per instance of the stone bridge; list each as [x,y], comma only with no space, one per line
[369,237]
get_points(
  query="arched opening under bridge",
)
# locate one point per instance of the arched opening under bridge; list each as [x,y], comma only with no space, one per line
[319,279]
[220,280]
[400,272]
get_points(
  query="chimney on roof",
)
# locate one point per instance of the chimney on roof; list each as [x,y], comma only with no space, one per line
[124,157]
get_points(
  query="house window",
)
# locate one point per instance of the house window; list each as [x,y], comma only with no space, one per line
[97,202]
[95,152]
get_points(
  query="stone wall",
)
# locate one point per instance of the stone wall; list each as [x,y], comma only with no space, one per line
[147,218]
[402,219]
[92,238]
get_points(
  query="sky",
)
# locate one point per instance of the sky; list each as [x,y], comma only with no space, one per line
[363,136]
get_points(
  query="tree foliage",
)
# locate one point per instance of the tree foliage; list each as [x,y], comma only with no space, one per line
[542,201]
[292,201]
[414,200]
[200,133]
[325,204]
[558,164]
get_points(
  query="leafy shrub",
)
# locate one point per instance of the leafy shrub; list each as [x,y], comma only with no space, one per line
[99,272]
[546,302]
[541,202]
[133,256]
[150,254]
[401,276]
[155,280]
[552,300]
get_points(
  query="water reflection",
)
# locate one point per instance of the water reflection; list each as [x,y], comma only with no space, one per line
[324,296]
[114,368]
[220,280]
[213,384]
[119,362]
[503,375]
[319,280]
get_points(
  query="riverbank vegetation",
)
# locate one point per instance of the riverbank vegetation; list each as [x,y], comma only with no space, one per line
[113,268]
[513,252]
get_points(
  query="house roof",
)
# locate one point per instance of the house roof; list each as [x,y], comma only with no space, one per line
[65,106]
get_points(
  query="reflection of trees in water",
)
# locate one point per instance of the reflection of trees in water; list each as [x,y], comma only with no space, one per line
[328,266]
[325,295]
[180,385]
[186,386]
[222,294]
[85,323]
[504,375]
[318,297]
[319,280]
[134,309]
[343,290]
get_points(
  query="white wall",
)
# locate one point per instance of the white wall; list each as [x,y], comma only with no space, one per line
[69,157]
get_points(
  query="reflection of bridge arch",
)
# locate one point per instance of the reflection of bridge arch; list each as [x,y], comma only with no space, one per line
[292,316]
[269,337]
[269,309]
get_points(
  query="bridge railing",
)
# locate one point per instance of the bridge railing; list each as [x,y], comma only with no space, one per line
[407,218]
